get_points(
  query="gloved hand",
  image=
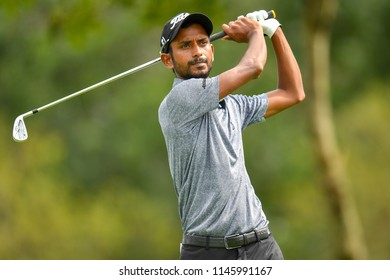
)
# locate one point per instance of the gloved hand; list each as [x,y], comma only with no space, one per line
[258,15]
[269,25]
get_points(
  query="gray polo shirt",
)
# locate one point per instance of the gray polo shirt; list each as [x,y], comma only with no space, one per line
[206,157]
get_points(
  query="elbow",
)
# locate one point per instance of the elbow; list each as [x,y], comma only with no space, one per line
[300,91]
[256,67]
[257,70]
[295,96]
[300,95]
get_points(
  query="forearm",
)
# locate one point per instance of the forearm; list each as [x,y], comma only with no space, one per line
[250,66]
[290,87]
[255,57]
[289,74]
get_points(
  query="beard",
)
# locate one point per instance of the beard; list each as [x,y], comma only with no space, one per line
[194,69]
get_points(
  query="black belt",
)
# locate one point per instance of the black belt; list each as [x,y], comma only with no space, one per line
[228,242]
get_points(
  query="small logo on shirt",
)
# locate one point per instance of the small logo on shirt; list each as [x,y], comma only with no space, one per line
[204,84]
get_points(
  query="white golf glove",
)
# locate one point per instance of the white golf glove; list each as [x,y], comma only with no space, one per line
[258,15]
[269,25]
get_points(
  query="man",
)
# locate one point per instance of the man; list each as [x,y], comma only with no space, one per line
[202,122]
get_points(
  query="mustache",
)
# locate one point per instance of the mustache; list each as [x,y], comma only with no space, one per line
[198,60]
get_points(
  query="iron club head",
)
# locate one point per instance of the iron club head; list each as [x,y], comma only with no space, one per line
[20,132]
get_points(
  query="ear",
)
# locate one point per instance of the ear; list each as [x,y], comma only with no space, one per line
[166,58]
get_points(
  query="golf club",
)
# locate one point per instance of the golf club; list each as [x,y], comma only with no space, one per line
[20,131]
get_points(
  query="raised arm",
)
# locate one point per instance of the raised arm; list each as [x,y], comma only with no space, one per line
[244,30]
[290,89]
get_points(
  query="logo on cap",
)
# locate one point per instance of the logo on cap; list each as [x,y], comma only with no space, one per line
[178,18]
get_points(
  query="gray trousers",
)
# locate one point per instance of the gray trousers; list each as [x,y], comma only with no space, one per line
[266,249]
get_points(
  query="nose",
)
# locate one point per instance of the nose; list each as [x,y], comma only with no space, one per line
[196,51]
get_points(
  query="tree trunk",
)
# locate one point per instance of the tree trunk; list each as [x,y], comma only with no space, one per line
[318,20]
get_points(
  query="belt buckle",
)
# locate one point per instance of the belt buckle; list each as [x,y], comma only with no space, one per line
[225,241]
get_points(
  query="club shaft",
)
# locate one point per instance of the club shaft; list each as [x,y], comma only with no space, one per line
[271,14]
[80,92]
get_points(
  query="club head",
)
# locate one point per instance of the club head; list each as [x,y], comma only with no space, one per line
[20,132]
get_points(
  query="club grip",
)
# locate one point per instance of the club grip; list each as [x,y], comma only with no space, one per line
[219,35]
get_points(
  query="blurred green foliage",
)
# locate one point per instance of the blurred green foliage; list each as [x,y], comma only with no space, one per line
[92,181]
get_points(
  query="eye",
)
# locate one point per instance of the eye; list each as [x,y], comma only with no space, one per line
[204,42]
[185,45]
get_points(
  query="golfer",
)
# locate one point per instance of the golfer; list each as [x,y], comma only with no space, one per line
[202,123]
